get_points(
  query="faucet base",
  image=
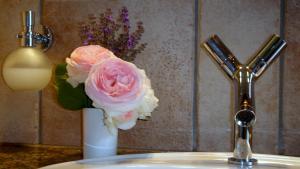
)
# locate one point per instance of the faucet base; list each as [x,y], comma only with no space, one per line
[242,162]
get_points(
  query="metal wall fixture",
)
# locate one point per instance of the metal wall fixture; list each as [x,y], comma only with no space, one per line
[28,68]
[244,76]
[29,38]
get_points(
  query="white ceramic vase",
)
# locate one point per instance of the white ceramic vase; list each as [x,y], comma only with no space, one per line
[97,140]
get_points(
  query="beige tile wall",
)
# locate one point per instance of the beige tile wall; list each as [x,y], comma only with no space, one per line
[19,111]
[291,87]
[169,62]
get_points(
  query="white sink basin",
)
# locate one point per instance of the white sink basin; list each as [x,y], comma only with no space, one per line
[192,160]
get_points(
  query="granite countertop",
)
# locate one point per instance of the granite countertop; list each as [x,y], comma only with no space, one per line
[14,156]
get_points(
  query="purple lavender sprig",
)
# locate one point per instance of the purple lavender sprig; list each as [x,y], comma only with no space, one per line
[114,35]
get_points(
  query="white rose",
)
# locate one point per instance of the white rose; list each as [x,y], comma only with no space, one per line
[124,121]
[149,101]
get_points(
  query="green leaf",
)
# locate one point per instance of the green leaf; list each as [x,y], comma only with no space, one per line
[61,69]
[67,96]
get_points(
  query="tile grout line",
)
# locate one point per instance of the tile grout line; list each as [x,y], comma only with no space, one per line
[40,93]
[280,140]
[195,83]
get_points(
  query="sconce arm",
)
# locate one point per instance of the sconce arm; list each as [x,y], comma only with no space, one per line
[29,38]
[45,39]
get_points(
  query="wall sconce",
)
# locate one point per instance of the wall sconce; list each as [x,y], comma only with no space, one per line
[28,68]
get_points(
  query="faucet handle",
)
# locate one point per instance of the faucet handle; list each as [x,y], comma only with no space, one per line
[266,55]
[224,57]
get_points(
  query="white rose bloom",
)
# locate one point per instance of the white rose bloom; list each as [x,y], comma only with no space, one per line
[149,103]
[124,121]
[76,75]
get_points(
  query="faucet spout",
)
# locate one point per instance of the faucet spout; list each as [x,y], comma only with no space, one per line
[244,77]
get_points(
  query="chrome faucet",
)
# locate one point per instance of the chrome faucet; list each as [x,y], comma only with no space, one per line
[244,76]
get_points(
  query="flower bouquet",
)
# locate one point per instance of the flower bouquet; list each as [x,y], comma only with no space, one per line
[96,78]
[112,92]
[116,86]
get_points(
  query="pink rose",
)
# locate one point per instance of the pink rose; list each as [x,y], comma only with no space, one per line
[81,61]
[116,86]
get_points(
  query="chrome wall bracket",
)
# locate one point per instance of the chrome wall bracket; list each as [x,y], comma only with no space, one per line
[244,76]
[29,38]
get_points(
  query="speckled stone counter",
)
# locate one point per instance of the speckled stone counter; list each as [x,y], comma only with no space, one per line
[35,156]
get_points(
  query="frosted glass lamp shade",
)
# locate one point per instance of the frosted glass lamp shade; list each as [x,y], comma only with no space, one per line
[27,68]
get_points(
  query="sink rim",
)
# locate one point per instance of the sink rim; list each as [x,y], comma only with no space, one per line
[201,156]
